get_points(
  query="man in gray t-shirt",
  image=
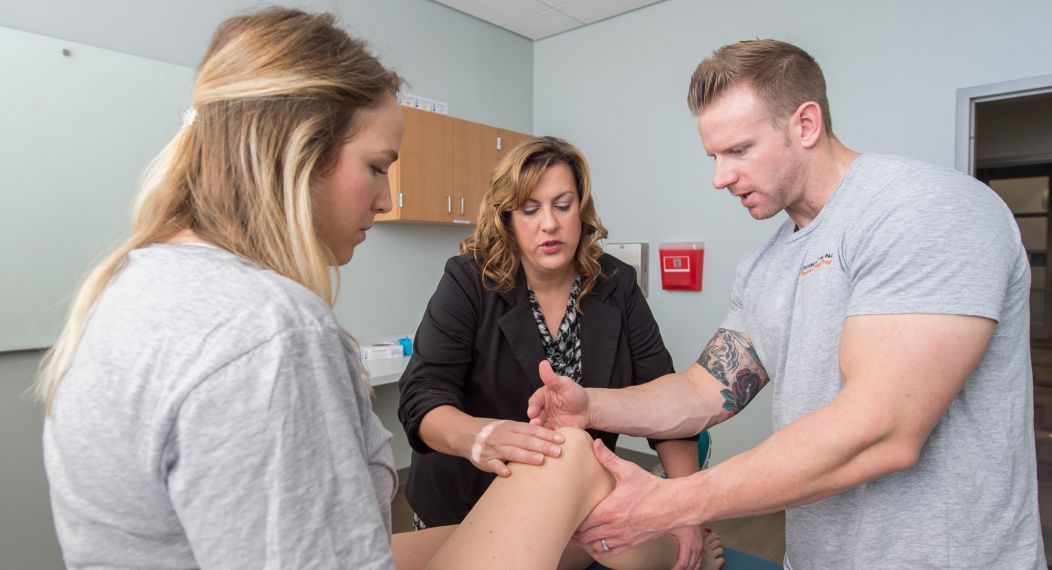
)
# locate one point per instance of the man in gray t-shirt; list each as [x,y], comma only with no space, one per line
[889,313]
[900,237]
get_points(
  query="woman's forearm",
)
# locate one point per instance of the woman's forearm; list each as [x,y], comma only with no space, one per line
[490,444]
[448,430]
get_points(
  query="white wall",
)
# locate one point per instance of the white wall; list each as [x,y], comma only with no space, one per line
[484,73]
[618,90]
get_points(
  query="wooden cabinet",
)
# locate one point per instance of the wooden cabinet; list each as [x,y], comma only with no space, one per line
[444,167]
[510,140]
[422,178]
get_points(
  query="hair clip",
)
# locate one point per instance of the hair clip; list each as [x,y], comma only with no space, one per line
[188,116]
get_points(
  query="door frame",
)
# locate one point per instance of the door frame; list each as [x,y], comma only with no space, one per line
[964,155]
[968,97]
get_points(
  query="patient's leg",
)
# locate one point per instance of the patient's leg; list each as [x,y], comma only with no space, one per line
[525,521]
[412,550]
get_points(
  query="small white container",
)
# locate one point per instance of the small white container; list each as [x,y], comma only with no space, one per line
[382,351]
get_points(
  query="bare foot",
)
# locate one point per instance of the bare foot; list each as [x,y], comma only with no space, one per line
[712,558]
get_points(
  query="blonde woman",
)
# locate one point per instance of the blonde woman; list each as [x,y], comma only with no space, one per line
[204,407]
[531,284]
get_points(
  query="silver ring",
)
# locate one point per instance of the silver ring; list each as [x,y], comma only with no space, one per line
[602,542]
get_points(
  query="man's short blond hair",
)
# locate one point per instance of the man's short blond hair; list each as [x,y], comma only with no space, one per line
[782,75]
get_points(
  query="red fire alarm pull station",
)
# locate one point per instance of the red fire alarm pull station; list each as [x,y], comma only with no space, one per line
[681,265]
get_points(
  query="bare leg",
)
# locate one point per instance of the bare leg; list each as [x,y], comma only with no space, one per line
[412,550]
[525,521]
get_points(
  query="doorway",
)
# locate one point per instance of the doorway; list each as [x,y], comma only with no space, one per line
[1004,138]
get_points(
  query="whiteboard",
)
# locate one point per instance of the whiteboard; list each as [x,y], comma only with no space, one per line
[76,134]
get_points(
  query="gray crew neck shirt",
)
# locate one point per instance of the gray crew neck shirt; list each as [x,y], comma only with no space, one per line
[214,417]
[901,236]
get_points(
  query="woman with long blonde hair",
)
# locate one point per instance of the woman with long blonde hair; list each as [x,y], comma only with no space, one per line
[205,409]
[201,408]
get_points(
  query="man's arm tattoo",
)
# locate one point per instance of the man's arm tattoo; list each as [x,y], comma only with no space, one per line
[731,358]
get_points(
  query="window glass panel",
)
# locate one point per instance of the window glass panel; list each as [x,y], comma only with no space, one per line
[1037,277]
[1037,307]
[1023,194]
[1035,232]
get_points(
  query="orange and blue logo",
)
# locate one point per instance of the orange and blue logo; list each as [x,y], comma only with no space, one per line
[810,268]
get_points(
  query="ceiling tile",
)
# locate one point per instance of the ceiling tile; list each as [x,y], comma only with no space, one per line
[591,11]
[542,25]
[500,12]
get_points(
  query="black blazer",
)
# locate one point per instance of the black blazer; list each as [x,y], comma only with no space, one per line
[478,350]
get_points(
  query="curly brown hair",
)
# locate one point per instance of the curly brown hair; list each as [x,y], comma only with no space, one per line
[514,178]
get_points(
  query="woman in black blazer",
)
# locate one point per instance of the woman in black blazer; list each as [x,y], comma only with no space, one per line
[531,284]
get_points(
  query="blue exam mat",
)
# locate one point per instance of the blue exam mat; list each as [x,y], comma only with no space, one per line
[738,560]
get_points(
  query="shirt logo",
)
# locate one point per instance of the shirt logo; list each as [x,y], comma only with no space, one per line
[810,268]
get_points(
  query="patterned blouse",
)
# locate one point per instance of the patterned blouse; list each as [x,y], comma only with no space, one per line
[564,352]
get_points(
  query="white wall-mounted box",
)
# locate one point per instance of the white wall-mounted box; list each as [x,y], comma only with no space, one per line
[636,255]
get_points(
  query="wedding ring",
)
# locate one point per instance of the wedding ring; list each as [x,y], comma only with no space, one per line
[602,543]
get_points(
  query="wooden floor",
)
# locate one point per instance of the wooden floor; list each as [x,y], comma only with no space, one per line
[762,536]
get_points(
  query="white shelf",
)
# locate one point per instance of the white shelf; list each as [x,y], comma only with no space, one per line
[385,371]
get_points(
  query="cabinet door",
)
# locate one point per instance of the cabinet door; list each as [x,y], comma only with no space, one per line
[510,140]
[422,177]
[474,155]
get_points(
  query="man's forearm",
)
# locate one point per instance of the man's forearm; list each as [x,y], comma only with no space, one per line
[800,464]
[899,375]
[681,404]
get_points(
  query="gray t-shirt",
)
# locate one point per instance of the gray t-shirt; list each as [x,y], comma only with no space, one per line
[901,236]
[214,418]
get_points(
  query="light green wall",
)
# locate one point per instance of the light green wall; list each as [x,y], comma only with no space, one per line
[27,536]
[618,89]
[484,73]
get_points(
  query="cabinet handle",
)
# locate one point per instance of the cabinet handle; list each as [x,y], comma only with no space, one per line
[499,143]
[461,205]
[399,199]
[449,204]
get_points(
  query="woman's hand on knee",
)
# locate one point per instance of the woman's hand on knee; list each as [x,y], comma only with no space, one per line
[502,441]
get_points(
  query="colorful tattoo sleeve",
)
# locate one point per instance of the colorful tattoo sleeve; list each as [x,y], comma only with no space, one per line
[731,359]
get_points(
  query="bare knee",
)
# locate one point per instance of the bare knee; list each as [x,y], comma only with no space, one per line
[578,450]
[577,441]
[582,468]
[577,453]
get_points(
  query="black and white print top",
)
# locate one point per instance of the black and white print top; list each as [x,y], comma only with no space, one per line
[564,352]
